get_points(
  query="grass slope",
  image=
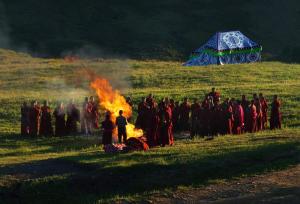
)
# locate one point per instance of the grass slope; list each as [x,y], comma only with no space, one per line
[75,169]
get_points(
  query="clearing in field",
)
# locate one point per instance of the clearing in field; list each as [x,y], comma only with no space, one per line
[74,169]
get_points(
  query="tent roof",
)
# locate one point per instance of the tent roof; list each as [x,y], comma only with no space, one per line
[232,40]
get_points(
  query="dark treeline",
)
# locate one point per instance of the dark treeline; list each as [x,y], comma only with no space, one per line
[168,29]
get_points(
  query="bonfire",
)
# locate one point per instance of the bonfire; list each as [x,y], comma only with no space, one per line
[111,100]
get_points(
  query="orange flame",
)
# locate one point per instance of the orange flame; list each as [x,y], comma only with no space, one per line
[112,101]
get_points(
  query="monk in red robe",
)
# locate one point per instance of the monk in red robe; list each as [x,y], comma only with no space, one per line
[153,131]
[175,116]
[264,109]
[34,119]
[205,118]
[253,117]
[216,120]
[184,116]
[141,121]
[60,123]
[87,116]
[214,95]
[25,111]
[229,119]
[46,118]
[166,128]
[94,113]
[195,107]
[73,116]
[108,126]
[275,119]
[238,118]
[259,118]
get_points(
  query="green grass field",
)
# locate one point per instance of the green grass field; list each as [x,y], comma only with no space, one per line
[76,170]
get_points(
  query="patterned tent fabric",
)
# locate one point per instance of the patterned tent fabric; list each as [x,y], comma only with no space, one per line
[226,48]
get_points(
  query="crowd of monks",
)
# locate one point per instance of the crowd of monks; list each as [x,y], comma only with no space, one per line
[209,117]
[37,120]
[159,121]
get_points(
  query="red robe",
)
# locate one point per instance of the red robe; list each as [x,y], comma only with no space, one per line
[166,127]
[108,127]
[253,118]
[264,109]
[46,118]
[229,120]
[259,118]
[25,110]
[60,123]
[141,120]
[153,128]
[73,116]
[185,109]
[238,119]
[95,114]
[34,120]
[275,119]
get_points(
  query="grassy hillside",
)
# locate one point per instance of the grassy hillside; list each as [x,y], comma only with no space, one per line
[168,29]
[76,170]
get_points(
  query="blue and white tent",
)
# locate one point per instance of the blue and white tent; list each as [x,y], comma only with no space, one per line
[226,48]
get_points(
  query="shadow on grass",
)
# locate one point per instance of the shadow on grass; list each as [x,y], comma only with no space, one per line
[91,182]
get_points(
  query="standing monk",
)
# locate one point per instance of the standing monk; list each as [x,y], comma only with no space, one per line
[46,118]
[108,126]
[73,116]
[141,121]
[34,119]
[214,95]
[259,121]
[275,119]
[184,116]
[264,109]
[153,127]
[238,118]
[195,108]
[83,118]
[229,119]
[25,110]
[121,123]
[175,116]
[253,117]
[94,113]
[60,123]
[166,128]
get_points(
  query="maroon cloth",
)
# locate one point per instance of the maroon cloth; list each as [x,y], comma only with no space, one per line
[94,114]
[136,144]
[25,110]
[141,120]
[229,120]
[275,119]
[264,108]
[73,116]
[175,117]
[34,120]
[253,118]
[205,117]
[108,127]
[215,96]
[238,119]
[46,118]
[184,116]
[60,123]
[166,127]
[153,128]
[259,115]
[194,110]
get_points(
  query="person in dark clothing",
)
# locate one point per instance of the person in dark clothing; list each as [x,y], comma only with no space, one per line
[46,119]
[121,123]
[73,116]
[60,123]
[108,126]
[275,119]
[25,111]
